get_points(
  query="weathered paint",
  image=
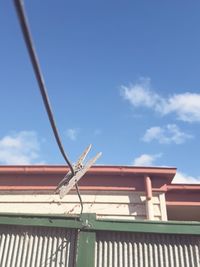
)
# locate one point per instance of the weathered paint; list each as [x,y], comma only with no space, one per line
[108,204]
[25,180]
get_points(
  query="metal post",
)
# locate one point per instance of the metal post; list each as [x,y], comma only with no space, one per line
[86,249]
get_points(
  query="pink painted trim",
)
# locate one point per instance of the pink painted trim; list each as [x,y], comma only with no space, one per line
[108,177]
[181,187]
[182,203]
[52,188]
[167,173]
[148,187]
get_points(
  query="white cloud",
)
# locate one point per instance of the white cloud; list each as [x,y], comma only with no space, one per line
[182,178]
[166,135]
[186,106]
[19,148]
[140,94]
[146,160]
[72,134]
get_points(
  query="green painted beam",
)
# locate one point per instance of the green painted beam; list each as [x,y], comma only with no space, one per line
[88,222]
[51,221]
[85,249]
[163,227]
[150,227]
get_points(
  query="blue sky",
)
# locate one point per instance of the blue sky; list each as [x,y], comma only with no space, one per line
[122,75]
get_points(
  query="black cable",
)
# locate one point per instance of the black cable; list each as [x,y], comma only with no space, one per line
[35,63]
[79,195]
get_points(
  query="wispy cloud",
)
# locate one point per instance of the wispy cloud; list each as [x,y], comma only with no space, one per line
[166,135]
[186,106]
[140,94]
[19,148]
[72,133]
[183,178]
[146,159]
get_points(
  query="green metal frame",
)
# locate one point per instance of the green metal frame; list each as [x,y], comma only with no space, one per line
[87,225]
[89,222]
[86,249]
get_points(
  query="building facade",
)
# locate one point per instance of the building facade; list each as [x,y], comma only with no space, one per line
[132,216]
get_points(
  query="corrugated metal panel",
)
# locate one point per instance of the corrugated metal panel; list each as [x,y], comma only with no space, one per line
[23,246]
[117,249]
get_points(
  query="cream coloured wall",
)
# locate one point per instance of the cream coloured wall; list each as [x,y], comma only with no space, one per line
[106,204]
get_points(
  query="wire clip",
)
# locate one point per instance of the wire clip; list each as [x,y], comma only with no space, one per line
[69,181]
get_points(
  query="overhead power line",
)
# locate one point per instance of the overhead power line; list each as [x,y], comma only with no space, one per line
[77,172]
[38,73]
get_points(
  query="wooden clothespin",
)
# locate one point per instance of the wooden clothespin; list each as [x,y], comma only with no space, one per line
[69,181]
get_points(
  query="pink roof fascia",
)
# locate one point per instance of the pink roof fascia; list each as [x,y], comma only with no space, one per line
[47,177]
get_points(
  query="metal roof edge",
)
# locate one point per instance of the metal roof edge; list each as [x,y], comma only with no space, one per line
[165,172]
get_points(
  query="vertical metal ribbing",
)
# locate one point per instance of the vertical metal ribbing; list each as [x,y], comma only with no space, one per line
[146,250]
[22,246]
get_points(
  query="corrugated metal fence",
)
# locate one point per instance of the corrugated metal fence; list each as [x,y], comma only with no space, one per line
[116,249]
[25,246]
[35,246]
